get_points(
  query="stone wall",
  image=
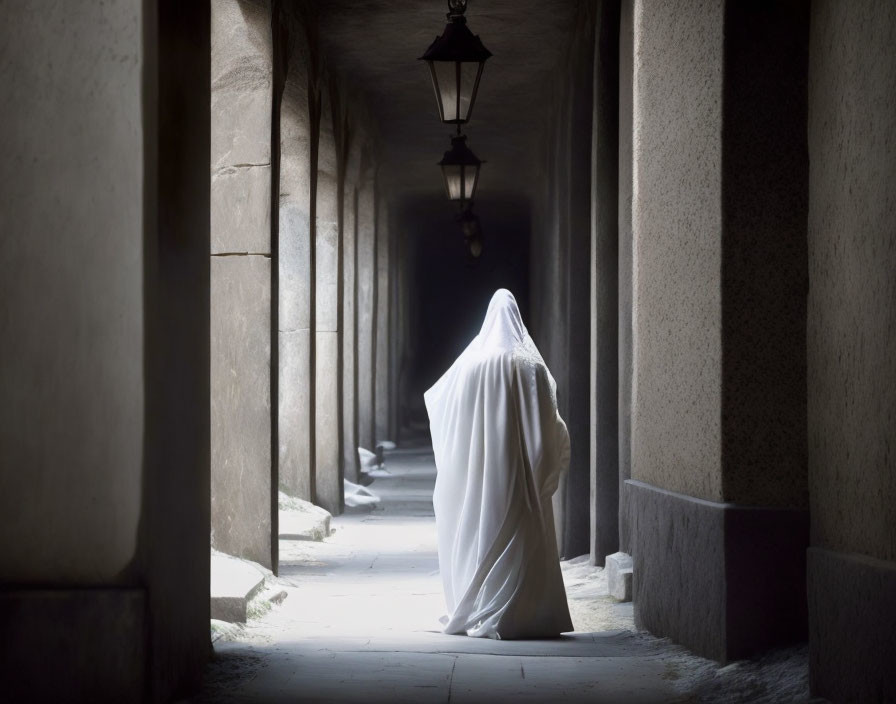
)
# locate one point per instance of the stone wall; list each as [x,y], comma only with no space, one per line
[72,289]
[104,377]
[852,349]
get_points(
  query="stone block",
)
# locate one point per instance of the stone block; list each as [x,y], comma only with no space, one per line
[295,414]
[327,422]
[241,406]
[619,576]
[326,275]
[241,74]
[295,267]
[240,210]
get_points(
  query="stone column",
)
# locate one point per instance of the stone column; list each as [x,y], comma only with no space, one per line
[575,222]
[350,312]
[604,427]
[852,350]
[718,410]
[383,329]
[328,489]
[296,440]
[367,231]
[395,323]
[626,41]
[241,278]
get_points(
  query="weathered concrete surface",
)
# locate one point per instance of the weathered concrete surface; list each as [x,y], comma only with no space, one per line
[677,229]
[241,407]
[327,341]
[71,286]
[726,581]
[295,280]
[367,229]
[382,317]
[852,349]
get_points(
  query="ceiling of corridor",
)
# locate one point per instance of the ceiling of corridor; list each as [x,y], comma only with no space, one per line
[377,44]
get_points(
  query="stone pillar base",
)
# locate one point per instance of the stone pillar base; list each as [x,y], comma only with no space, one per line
[726,581]
[852,610]
[73,645]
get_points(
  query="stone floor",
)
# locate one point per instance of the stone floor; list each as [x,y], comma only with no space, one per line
[360,624]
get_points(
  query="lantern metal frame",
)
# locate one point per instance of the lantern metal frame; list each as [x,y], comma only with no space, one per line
[459,45]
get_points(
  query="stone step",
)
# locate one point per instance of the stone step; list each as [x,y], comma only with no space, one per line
[233,584]
[302,520]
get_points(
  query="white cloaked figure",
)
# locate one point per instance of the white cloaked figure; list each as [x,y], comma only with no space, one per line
[500,447]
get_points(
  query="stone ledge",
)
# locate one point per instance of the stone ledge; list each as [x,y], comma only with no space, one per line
[852,610]
[724,580]
[234,582]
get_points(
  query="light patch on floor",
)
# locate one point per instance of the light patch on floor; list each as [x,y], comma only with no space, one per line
[359,623]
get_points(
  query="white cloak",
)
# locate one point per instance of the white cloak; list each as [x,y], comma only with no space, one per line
[500,447]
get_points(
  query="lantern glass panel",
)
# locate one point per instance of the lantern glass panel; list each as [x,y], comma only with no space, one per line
[455,83]
[471,176]
[460,181]
[454,177]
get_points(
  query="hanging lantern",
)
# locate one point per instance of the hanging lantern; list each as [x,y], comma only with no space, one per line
[460,168]
[455,63]
[472,231]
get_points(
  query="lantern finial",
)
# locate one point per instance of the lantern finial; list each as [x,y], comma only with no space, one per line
[456,8]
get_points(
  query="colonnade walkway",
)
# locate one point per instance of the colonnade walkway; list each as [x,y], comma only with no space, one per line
[360,624]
